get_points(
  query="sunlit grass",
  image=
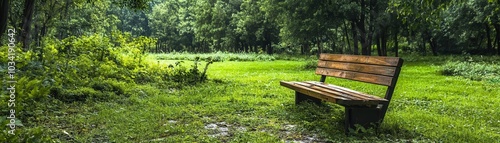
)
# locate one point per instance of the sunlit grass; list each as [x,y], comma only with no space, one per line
[246,99]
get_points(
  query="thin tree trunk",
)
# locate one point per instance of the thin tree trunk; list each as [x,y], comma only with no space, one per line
[4,13]
[488,37]
[354,38]
[422,45]
[67,16]
[334,46]
[379,46]
[383,41]
[29,6]
[347,36]
[396,44]
[361,29]
[36,34]
[433,45]
[306,48]
[320,49]
[497,37]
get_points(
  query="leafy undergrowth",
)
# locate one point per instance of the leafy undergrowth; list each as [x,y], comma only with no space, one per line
[243,102]
[224,56]
[473,70]
[80,69]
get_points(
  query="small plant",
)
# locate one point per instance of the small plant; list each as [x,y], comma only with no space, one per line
[192,76]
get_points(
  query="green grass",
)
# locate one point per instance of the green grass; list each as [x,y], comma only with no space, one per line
[246,104]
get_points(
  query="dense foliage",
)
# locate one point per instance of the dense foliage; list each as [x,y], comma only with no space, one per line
[88,68]
[271,26]
[473,70]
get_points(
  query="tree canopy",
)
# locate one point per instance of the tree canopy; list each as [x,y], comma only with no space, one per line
[383,27]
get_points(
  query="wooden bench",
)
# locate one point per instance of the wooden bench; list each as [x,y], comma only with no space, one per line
[360,108]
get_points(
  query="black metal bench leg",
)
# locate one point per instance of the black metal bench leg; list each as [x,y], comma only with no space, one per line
[363,116]
[299,98]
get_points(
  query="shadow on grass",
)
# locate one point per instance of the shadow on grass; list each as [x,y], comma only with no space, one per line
[326,122]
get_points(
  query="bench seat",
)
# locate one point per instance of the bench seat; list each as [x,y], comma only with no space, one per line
[332,93]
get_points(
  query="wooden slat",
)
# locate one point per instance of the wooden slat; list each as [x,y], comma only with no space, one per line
[346,91]
[343,96]
[369,78]
[304,88]
[373,69]
[373,60]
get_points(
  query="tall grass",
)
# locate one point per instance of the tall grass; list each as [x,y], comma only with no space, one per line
[225,56]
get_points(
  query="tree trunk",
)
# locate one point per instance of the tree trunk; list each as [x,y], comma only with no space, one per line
[4,13]
[383,41]
[306,49]
[269,48]
[422,45]
[433,45]
[497,37]
[36,35]
[488,37]
[302,49]
[334,46]
[29,6]
[64,31]
[365,38]
[245,48]
[346,36]
[320,49]
[379,47]
[366,34]
[396,44]
[354,38]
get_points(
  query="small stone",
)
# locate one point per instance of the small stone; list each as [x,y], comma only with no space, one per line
[211,126]
[241,129]
[290,127]
[223,129]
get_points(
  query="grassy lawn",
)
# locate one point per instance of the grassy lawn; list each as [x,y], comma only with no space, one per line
[243,102]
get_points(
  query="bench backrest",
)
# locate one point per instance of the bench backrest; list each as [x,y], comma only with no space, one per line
[370,69]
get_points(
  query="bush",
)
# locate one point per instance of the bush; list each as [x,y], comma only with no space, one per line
[224,56]
[90,67]
[192,76]
[472,70]
[310,64]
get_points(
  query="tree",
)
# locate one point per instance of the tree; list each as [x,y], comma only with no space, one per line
[305,22]
[29,6]
[4,13]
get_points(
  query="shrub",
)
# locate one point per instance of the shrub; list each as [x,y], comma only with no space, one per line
[192,76]
[217,57]
[109,86]
[472,70]
[310,64]
[78,68]
[74,95]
